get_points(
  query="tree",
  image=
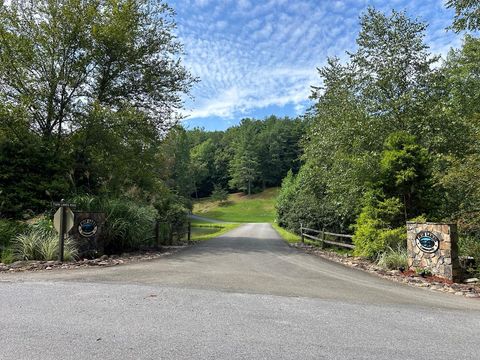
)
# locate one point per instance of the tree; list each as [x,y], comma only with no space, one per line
[174,162]
[59,58]
[202,157]
[393,67]
[459,173]
[94,85]
[387,85]
[219,194]
[244,169]
[405,174]
[467,14]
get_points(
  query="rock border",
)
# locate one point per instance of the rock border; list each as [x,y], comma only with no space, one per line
[471,290]
[103,261]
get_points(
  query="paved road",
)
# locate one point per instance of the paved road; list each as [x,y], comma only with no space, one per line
[245,295]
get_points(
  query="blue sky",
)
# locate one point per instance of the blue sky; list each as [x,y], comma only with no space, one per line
[256,58]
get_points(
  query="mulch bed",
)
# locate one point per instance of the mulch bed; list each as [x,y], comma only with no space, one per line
[408,277]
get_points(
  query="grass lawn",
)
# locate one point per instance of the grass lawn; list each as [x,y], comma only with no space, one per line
[205,231]
[287,235]
[240,208]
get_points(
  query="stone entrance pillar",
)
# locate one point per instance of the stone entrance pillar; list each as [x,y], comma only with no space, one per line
[434,247]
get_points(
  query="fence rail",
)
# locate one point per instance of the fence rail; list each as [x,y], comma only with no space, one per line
[325,237]
[165,233]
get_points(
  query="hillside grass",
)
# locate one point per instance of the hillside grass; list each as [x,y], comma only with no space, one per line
[288,236]
[256,208]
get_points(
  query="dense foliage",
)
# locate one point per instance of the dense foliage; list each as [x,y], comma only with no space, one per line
[89,98]
[249,157]
[394,135]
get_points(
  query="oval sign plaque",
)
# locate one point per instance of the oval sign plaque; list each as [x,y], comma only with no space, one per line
[87,227]
[427,242]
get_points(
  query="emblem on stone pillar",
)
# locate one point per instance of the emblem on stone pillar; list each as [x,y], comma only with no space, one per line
[427,241]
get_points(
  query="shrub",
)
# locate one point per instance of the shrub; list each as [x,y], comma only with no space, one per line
[394,259]
[7,256]
[373,232]
[172,211]
[470,246]
[9,229]
[423,272]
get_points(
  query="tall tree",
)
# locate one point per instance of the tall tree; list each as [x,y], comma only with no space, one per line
[94,85]
[175,162]
[57,58]
[393,67]
[385,86]
[245,165]
[467,14]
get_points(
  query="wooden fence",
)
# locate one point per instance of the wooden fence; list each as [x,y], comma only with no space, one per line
[327,238]
[165,233]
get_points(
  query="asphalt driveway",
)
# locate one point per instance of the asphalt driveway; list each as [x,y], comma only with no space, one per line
[244,295]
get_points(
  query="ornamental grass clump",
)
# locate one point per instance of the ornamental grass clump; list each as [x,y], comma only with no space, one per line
[394,259]
[128,224]
[41,242]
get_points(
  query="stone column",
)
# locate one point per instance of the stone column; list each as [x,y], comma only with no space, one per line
[434,247]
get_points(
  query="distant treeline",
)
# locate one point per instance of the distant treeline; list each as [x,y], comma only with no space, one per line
[248,157]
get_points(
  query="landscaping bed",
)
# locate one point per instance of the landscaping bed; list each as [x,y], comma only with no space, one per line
[470,290]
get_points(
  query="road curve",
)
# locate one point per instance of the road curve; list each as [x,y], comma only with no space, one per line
[243,295]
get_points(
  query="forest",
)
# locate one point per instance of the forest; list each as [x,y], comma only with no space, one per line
[90,94]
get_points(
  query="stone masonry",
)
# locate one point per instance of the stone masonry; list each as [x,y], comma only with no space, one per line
[439,256]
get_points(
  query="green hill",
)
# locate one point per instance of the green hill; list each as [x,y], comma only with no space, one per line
[240,207]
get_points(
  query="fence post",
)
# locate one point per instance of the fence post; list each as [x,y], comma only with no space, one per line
[61,239]
[323,238]
[157,233]
[301,232]
[189,231]
[170,234]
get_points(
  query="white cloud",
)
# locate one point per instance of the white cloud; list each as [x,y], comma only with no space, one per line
[255,54]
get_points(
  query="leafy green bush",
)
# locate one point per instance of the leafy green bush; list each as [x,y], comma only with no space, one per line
[301,203]
[7,256]
[8,230]
[423,272]
[172,211]
[394,259]
[470,246]
[373,231]
[41,242]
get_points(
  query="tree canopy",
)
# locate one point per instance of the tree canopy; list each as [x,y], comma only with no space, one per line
[88,92]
